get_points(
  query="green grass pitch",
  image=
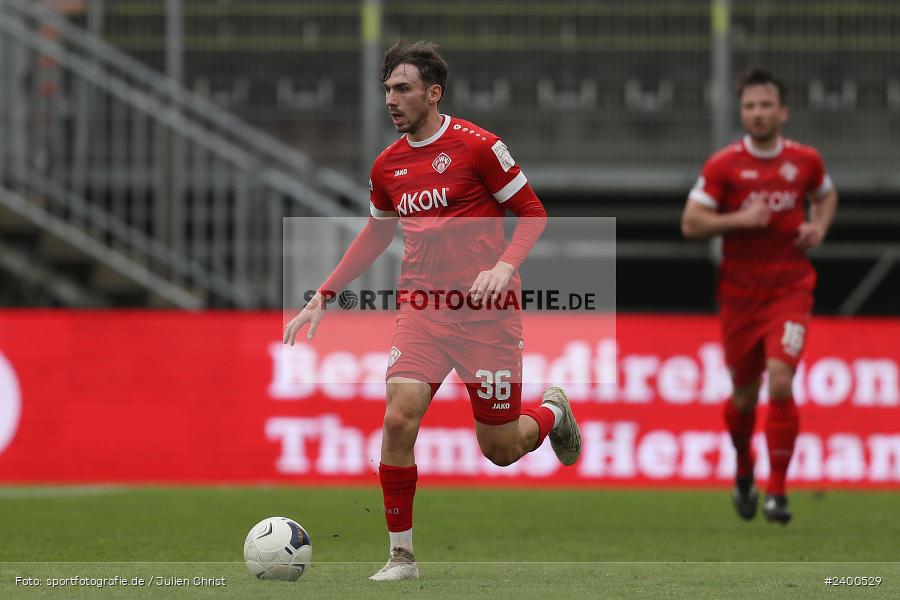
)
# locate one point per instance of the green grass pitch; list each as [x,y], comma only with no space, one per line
[512,543]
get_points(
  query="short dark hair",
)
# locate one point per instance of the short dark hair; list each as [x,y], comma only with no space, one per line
[422,55]
[760,76]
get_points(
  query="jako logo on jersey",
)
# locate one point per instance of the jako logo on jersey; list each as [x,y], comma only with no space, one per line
[749,174]
[441,163]
[400,172]
[427,199]
[776,200]
[788,171]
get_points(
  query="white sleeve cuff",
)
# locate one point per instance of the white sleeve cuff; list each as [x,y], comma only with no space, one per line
[827,186]
[382,214]
[701,197]
[509,190]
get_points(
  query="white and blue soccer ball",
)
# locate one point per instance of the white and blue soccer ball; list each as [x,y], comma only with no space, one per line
[277,548]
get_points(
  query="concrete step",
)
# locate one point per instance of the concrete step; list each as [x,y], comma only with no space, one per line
[59,252]
[11,223]
[109,281]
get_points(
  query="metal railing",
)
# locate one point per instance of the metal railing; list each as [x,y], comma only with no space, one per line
[159,184]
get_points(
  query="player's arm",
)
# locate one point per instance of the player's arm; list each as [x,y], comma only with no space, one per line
[368,245]
[701,218]
[822,209]
[700,222]
[529,226]
[508,185]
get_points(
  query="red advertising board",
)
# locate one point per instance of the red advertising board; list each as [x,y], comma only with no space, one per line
[216,398]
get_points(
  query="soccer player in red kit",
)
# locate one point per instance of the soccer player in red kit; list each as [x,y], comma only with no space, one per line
[449,183]
[753,193]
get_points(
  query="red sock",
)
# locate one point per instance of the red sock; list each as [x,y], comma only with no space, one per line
[740,426]
[544,418]
[399,487]
[781,432]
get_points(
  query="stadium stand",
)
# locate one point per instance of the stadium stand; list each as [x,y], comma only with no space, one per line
[616,97]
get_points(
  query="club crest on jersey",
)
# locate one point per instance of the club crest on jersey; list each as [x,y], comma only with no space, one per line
[788,170]
[441,163]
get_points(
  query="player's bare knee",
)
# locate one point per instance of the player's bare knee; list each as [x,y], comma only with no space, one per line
[781,378]
[744,405]
[404,410]
[745,399]
[399,425]
[780,388]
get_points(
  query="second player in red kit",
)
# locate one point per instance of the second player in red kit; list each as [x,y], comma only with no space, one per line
[755,194]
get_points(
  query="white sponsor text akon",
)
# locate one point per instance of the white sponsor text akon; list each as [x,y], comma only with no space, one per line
[412,202]
[776,200]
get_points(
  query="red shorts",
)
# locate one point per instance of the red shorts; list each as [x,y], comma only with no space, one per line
[752,335]
[487,356]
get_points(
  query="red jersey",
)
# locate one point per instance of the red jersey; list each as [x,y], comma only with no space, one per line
[762,264]
[435,187]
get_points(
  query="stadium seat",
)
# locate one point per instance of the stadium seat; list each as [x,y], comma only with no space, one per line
[290,97]
[237,95]
[552,95]
[639,97]
[838,96]
[498,95]
[893,94]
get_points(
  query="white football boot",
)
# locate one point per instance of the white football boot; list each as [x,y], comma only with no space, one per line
[401,565]
[566,438]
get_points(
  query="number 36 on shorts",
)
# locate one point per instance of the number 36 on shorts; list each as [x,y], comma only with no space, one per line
[494,385]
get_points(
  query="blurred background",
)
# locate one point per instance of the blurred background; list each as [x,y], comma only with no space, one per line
[174,172]
[149,149]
